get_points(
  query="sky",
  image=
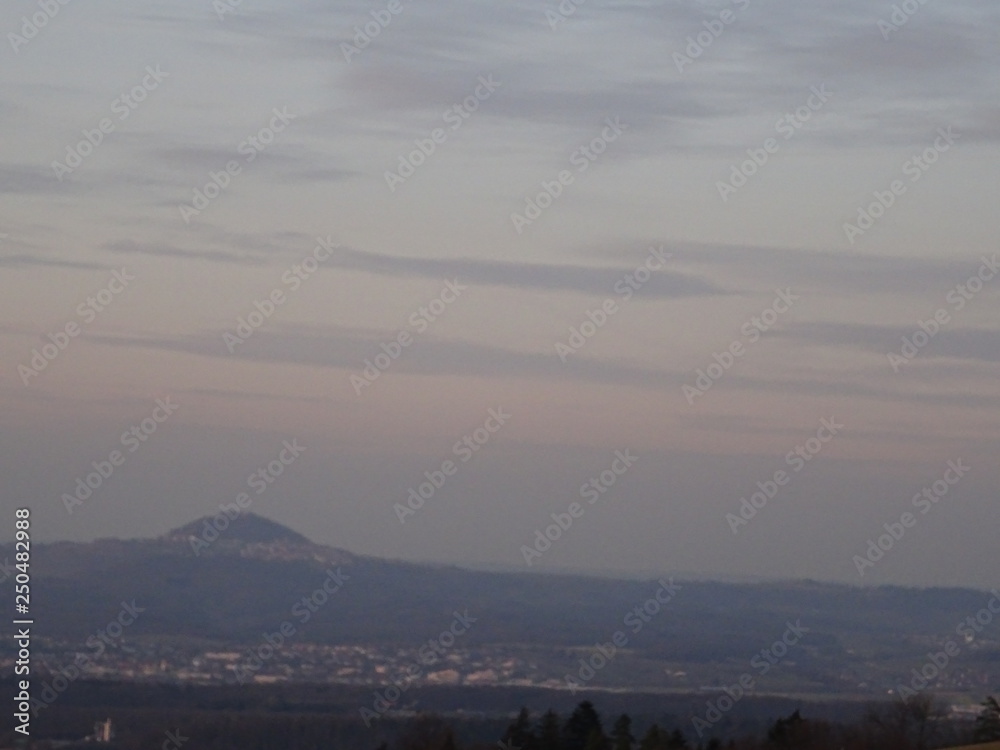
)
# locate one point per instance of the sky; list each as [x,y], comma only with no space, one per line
[545,286]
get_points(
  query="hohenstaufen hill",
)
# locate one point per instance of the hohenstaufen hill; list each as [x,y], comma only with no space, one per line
[226,588]
[247,527]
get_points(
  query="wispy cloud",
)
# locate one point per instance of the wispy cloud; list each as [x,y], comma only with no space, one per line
[663,284]
[972,344]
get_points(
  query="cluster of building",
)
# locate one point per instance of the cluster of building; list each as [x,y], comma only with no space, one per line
[301,662]
[520,666]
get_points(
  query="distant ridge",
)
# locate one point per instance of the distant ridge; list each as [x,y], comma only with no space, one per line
[247,527]
[249,575]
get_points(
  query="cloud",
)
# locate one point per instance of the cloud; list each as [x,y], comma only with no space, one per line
[22,179]
[23,260]
[288,162]
[256,250]
[240,248]
[348,348]
[157,249]
[935,71]
[978,345]
[834,271]
[663,284]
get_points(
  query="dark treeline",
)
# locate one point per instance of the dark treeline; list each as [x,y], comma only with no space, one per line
[915,724]
[918,723]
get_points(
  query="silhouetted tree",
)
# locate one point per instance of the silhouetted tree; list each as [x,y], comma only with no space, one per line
[988,722]
[621,733]
[519,733]
[582,722]
[924,714]
[677,740]
[596,740]
[783,732]
[653,739]
[549,734]
[910,723]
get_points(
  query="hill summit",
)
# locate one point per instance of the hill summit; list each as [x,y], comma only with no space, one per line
[247,527]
